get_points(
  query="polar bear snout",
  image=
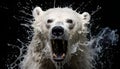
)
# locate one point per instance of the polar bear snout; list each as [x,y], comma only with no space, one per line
[59,43]
[57,31]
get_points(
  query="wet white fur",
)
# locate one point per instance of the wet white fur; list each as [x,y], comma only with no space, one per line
[39,54]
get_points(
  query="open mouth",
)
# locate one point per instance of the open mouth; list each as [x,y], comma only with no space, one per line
[59,49]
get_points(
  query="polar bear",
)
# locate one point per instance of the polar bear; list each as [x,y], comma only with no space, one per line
[59,40]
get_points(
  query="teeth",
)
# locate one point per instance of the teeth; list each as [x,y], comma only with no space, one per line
[53,42]
[63,42]
[63,55]
[54,56]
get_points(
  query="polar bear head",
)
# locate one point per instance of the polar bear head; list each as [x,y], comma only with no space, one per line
[61,27]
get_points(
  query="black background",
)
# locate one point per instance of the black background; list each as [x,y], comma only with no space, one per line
[11,30]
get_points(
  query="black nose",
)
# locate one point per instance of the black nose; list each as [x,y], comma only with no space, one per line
[57,31]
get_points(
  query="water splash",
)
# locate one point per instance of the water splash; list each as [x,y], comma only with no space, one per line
[106,36]
[101,42]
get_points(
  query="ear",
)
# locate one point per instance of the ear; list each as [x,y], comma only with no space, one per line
[37,12]
[85,16]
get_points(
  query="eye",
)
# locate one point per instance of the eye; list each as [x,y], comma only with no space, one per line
[69,21]
[49,21]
